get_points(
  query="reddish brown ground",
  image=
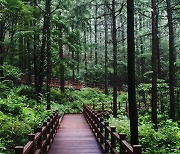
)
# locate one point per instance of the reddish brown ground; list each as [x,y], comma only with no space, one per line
[74,137]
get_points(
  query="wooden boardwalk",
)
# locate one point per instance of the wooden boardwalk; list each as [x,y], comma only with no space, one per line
[75,137]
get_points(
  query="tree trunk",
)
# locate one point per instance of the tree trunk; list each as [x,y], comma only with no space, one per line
[61,59]
[85,56]
[171,60]
[95,27]
[29,62]
[142,50]
[48,82]
[131,73]
[42,52]
[1,50]
[154,65]
[106,48]
[114,59]
[35,55]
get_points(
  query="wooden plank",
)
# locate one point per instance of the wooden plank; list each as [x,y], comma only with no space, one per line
[75,137]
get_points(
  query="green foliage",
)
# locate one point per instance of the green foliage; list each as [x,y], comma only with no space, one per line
[11,73]
[19,116]
[165,140]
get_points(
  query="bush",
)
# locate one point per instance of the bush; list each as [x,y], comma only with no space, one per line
[11,73]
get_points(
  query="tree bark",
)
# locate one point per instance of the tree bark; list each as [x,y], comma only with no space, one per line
[95,29]
[114,31]
[48,81]
[42,52]
[1,50]
[171,60]
[106,48]
[154,65]
[131,73]
[62,87]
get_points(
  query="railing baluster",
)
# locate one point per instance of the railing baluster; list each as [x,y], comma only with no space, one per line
[113,139]
[101,131]
[45,137]
[31,138]
[39,142]
[122,137]
[106,137]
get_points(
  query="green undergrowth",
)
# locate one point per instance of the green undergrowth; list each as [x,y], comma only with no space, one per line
[19,116]
[164,141]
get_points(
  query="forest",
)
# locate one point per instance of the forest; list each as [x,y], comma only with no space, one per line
[59,54]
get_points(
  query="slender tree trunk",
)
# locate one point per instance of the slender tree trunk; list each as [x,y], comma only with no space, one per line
[114,59]
[35,55]
[95,27]
[142,51]
[48,82]
[21,54]
[154,65]
[158,46]
[131,73]
[171,60]
[62,87]
[29,62]
[85,56]
[106,48]
[42,53]
[91,50]
[73,69]
[124,51]
[1,50]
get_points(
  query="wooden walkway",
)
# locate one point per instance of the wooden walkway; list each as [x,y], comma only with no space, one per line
[75,137]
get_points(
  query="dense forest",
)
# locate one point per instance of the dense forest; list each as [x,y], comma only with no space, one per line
[129,50]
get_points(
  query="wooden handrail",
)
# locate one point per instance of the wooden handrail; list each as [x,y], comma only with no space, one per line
[41,141]
[107,136]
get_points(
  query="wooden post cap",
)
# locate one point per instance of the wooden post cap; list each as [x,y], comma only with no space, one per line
[19,149]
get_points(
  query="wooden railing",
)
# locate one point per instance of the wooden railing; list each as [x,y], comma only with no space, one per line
[107,136]
[41,141]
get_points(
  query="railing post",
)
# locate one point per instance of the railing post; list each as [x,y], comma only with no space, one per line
[19,149]
[31,138]
[103,108]
[95,124]
[106,137]
[48,131]
[39,142]
[98,126]
[101,131]
[51,128]
[113,139]
[122,137]
[137,149]
[45,137]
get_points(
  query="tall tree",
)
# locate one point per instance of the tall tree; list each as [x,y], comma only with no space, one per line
[171,60]
[154,64]
[1,48]
[106,47]
[48,71]
[131,73]
[62,87]
[114,38]
[95,30]
[42,52]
